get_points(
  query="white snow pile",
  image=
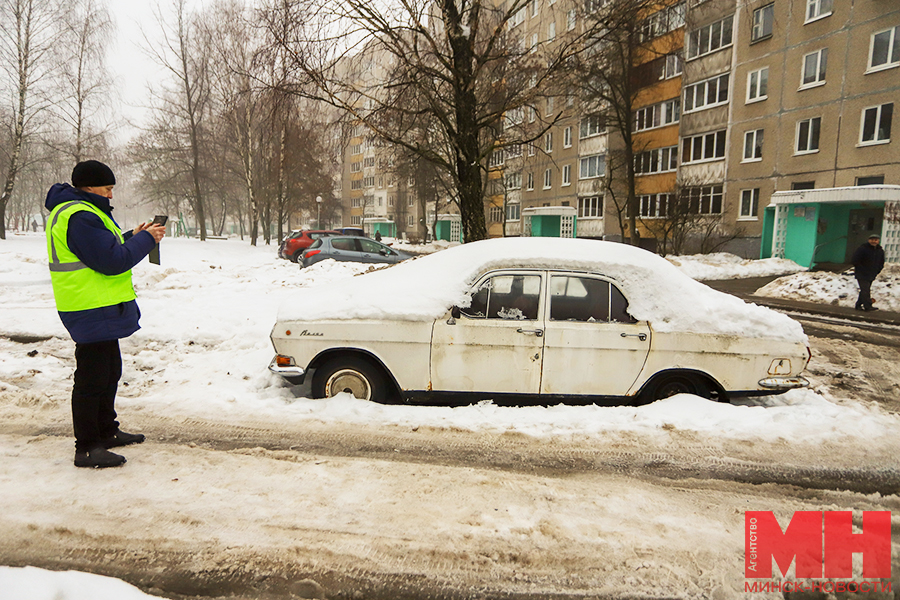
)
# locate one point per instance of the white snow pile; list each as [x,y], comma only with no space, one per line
[31,583]
[723,265]
[657,291]
[838,289]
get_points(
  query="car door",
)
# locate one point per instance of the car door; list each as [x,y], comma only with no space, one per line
[592,346]
[496,344]
[374,252]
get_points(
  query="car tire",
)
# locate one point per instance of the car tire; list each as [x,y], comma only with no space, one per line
[350,374]
[295,257]
[671,384]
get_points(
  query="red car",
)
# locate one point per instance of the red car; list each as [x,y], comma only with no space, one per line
[298,241]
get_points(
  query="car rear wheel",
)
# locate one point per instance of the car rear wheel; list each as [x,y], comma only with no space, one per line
[666,386]
[295,257]
[351,374]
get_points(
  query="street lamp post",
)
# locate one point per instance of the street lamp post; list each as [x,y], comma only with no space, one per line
[318,212]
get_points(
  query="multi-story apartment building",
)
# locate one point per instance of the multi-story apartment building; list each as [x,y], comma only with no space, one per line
[737,99]
[815,83]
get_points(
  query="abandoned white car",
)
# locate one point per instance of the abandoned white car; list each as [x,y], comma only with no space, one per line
[534,320]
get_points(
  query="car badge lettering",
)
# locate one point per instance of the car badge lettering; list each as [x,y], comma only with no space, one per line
[307,332]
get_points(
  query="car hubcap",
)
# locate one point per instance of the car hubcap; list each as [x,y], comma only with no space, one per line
[350,381]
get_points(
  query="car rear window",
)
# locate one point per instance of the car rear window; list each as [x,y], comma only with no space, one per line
[344,244]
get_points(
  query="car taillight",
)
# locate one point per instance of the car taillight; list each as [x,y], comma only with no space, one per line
[311,253]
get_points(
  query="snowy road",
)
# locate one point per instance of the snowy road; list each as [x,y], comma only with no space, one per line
[246,489]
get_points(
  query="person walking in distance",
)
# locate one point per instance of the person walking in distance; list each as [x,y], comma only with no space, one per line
[90,269]
[868,260]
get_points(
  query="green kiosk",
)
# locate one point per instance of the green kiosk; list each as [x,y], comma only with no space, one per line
[549,221]
[448,228]
[382,225]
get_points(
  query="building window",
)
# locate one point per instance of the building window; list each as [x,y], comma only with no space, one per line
[884,51]
[512,212]
[548,142]
[876,124]
[355,167]
[410,221]
[658,160]
[391,200]
[567,137]
[514,151]
[531,149]
[551,31]
[591,206]
[655,206]
[592,166]
[530,180]
[706,94]
[591,125]
[870,180]
[548,179]
[356,219]
[496,214]
[750,204]
[753,141]
[551,105]
[710,38]
[514,181]
[497,158]
[356,184]
[758,85]
[808,135]
[369,181]
[671,66]
[567,175]
[662,21]
[803,185]
[704,200]
[763,19]
[817,9]
[814,65]
[658,115]
[570,20]
[535,6]
[705,147]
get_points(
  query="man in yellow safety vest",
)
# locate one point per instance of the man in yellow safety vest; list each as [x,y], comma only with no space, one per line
[90,269]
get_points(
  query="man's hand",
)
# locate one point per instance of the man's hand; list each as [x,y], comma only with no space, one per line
[157,231]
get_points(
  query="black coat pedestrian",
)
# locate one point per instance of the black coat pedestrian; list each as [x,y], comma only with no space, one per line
[868,260]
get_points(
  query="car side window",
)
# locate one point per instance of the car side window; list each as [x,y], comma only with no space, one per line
[586,299]
[508,297]
[373,247]
[316,244]
[347,245]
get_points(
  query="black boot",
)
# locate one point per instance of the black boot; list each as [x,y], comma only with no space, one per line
[123,439]
[98,458]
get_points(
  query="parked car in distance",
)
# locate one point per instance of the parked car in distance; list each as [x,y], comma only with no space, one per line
[352,231]
[351,248]
[533,320]
[293,245]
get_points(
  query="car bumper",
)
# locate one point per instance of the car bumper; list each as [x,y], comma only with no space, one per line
[783,383]
[290,371]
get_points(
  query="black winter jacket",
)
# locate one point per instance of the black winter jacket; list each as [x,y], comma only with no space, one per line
[868,260]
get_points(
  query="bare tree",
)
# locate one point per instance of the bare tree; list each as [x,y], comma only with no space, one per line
[618,66]
[25,35]
[433,77]
[83,81]
[184,104]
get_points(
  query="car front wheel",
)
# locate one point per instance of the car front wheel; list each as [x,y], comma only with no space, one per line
[353,375]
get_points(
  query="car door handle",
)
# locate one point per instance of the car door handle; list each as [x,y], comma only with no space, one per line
[536,332]
[640,336]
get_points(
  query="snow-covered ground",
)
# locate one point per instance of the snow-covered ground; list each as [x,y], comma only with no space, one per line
[203,351]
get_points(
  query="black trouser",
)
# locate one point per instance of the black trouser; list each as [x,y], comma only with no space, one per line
[98,367]
[865,293]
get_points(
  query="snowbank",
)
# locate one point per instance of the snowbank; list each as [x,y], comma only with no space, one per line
[839,289]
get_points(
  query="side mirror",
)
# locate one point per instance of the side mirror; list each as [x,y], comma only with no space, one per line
[455,312]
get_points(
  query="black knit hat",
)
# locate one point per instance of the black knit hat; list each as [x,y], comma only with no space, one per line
[92,173]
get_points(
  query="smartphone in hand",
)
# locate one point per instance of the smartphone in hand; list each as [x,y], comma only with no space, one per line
[160,219]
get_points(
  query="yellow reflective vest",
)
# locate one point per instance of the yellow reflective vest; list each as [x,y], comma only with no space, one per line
[75,285]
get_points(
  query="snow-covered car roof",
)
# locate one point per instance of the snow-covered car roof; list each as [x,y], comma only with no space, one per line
[424,288]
